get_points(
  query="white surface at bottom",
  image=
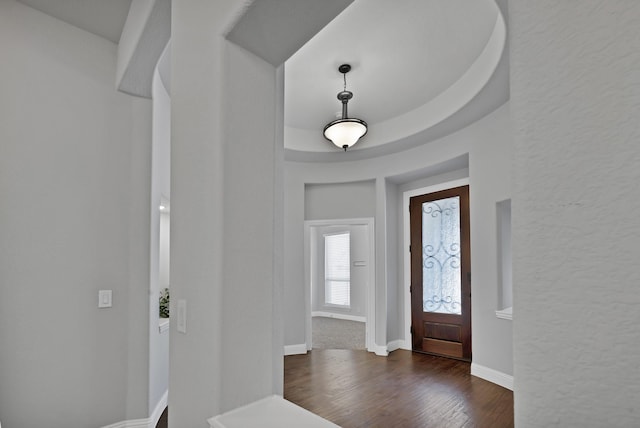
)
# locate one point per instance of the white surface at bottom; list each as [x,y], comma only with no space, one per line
[270,412]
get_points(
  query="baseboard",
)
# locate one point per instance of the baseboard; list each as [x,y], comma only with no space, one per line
[157,411]
[493,376]
[406,345]
[338,316]
[378,350]
[395,344]
[149,422]
[134,423]
[295,349]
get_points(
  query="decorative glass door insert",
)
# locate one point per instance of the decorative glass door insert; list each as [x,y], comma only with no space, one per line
[441,279]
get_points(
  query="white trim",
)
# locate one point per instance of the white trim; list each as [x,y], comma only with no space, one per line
[395,344]
[407,240]
[134,423]
[149,422]
[157,411]
[370,325]
[493,376]
[338,316]
[270,411]
[406,344]
[505,314]
[381,351]
[298,349]
[163,325]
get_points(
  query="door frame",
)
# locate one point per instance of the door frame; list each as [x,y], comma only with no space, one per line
[370,290]
[406,255]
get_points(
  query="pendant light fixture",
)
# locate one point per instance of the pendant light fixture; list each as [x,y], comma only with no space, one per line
[345,132]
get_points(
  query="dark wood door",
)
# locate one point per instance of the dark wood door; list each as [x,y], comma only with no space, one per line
[441,273]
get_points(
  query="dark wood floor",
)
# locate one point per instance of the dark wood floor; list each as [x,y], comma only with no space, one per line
[359,389]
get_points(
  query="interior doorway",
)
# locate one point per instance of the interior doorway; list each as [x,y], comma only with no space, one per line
[441,273]
[340,283]
[160,246]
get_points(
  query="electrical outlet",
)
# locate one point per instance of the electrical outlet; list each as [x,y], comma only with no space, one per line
[105,299]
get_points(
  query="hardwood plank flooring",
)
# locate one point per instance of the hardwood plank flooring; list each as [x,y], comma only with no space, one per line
[354,388]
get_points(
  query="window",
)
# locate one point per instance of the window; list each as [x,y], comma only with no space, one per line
[337,271]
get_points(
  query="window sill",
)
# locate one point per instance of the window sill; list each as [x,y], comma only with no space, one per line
[505,314]
[334,306]
[163,325]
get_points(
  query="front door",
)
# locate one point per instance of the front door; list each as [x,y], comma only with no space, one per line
[441,273]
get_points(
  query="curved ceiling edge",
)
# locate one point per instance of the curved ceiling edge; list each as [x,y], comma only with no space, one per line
[442,107]
[491,98]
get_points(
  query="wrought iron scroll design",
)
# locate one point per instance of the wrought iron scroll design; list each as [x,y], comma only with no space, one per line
[441,256]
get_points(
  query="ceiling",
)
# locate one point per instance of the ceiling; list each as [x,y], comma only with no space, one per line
[104,18]
[414,64]
[420,69]
[432,44]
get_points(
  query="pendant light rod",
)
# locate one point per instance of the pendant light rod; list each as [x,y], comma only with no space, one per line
[345,96]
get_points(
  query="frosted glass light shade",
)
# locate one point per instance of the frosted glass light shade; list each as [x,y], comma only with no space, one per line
[344,133]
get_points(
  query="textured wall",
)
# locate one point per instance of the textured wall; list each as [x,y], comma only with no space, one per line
[575,105]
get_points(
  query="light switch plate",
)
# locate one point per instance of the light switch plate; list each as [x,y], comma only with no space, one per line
[104,298]
[182,316]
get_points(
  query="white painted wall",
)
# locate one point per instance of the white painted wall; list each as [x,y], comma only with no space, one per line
[393,261]
[487,144]
[294,300]
[224,217]
[381,251]
[226,166]
[249,239]
[490,182]
[575,103]
[74,185]
[340,200]
[197,213]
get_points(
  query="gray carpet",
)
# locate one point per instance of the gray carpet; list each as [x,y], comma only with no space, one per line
[332,333]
